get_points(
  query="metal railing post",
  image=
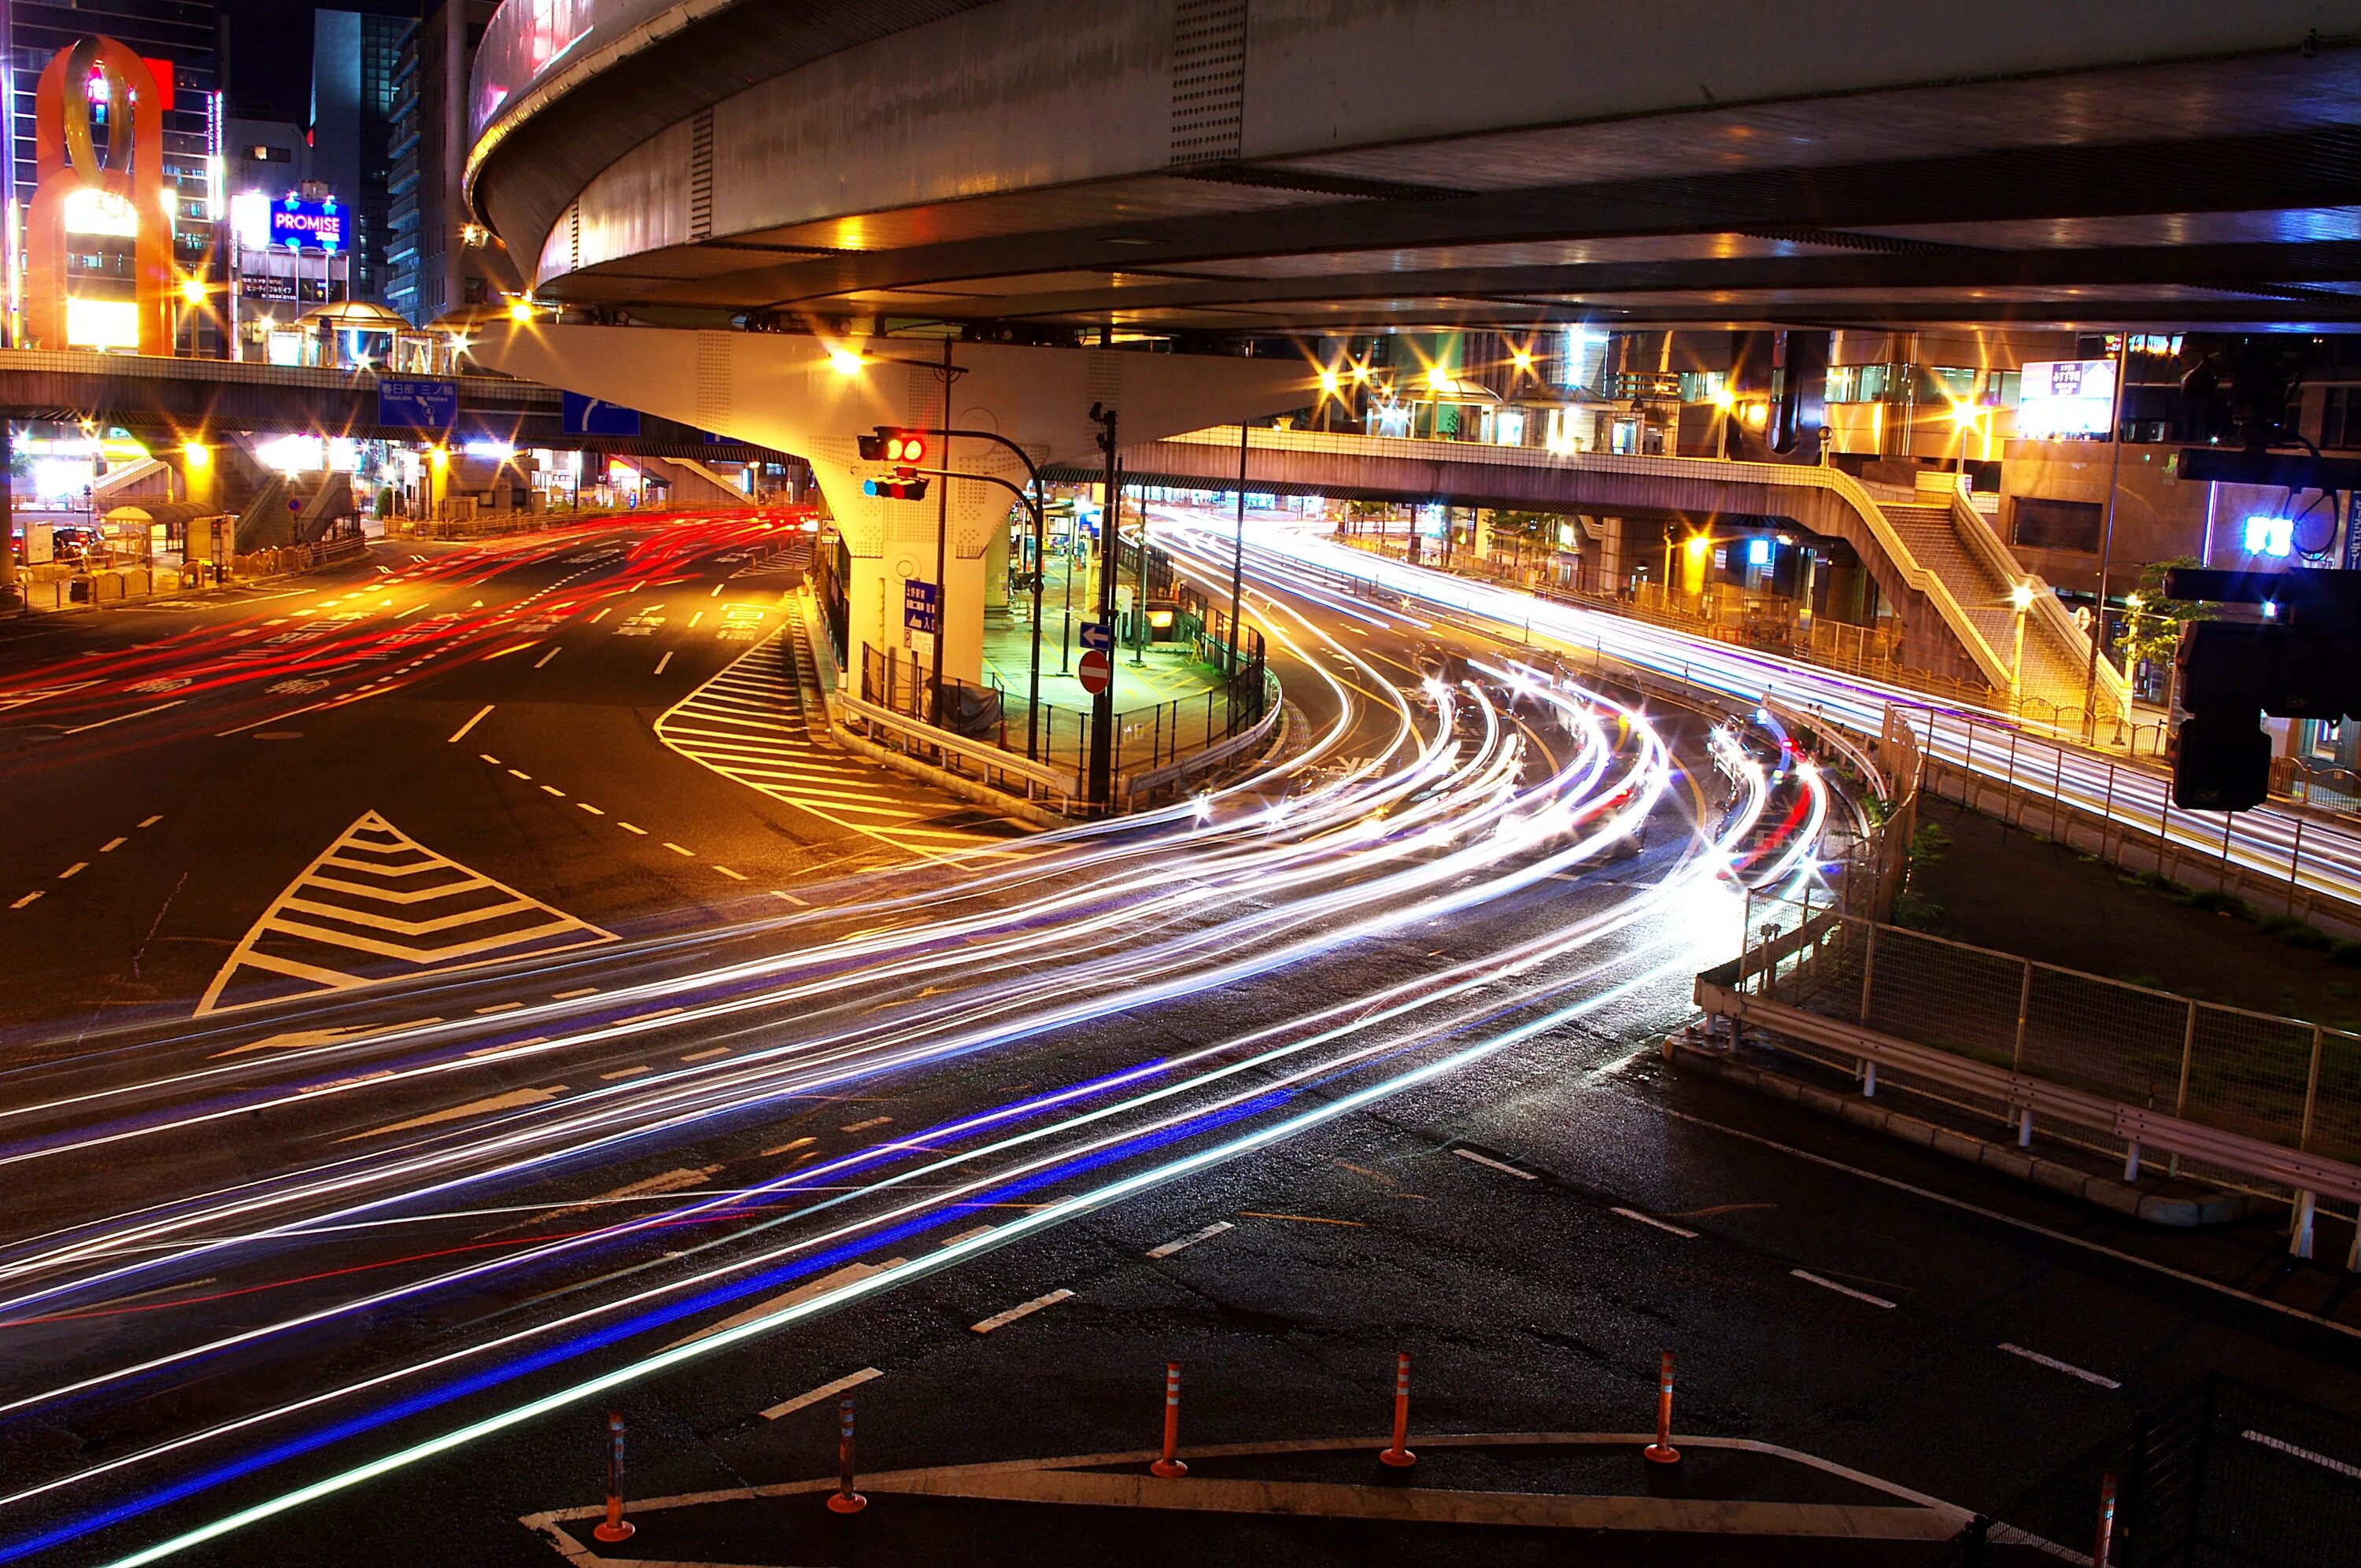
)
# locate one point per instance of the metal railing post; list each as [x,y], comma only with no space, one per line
[1868,972]
[2310,1089]
[2295,858]
[2024,1005]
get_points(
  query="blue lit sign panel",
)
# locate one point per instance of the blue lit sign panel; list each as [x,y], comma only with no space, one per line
[307,226]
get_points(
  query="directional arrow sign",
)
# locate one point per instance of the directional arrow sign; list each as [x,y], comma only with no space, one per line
[1095,670]
[1098,634]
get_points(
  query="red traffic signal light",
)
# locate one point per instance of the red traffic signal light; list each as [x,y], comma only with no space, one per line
[907,448]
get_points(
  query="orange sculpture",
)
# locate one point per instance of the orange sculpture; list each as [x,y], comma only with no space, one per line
[90,202]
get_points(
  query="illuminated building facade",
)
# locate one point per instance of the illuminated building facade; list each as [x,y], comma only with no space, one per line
[179,40]
[98,236]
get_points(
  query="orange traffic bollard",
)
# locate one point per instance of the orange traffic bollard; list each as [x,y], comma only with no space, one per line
[1169,1466]
[1399,1456]
[1662,1451]
[614,1527]
[2102,1552]
[844,1499]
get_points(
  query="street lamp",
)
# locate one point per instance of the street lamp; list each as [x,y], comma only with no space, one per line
[2021,596]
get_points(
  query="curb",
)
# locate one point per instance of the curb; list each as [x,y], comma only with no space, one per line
[2105,1191]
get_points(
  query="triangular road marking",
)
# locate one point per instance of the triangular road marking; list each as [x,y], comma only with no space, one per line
[376,905]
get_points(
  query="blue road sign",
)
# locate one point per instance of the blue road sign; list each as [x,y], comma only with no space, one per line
[589,416]
[422,405]
[1097,634]
[920,607]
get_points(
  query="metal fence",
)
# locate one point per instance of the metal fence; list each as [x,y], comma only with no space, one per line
[1145,738]
[2225,1474]
[2280,1080]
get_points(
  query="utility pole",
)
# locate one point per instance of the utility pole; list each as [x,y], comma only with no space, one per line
[2106,542]
[1103,704]
[1239,549]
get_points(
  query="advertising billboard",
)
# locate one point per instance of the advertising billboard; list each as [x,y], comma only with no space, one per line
[307,226]
[2066,397]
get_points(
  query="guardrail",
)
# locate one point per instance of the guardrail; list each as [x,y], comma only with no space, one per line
[2257,1100]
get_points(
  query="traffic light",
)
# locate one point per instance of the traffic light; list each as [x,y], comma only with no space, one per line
[902,448]
[898,489]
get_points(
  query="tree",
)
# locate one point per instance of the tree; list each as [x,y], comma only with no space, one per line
[2151,632]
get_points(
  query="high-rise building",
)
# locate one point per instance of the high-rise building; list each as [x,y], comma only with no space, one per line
[353,56]
[430,266]
[177,37]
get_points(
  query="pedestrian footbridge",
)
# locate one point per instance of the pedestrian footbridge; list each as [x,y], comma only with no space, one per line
[1950,578]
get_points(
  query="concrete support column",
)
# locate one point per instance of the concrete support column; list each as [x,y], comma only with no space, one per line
[1614,555]
[8,516]
[996,571]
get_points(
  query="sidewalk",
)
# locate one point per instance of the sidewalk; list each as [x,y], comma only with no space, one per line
[1166,671]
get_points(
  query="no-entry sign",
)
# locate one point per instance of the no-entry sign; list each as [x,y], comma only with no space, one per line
[1095,670]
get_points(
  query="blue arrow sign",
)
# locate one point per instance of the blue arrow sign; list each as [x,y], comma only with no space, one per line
[420,405]
[1098,634]
[588,416]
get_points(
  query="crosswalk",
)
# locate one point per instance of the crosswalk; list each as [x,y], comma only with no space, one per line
[753,724]
[379,906]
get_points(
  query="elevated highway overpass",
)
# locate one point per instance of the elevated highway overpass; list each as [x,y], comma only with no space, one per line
[1947,574]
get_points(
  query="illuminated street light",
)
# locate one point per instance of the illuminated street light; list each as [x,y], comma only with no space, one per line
[193,291]
[846,362]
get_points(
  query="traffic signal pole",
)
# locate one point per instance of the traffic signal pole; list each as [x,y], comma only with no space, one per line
[942,538]
[1103,704]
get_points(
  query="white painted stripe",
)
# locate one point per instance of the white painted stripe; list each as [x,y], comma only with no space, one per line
[570,996]
[1810,1279]
[707,1055]
[462,730]
[1183,1243]
[27,899]
[2280,1445]
[112,845]
[677,850]
[733,876]
[629,828]
[825,1391]
[2055,1364]
[590,808]
[1651,1220]
[1496,1164]
[151,821]
[75,868]
[791,898]
[1002,1320]
[662,663]
[121,716]
[544,659]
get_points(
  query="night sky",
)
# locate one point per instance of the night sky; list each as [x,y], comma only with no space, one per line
[271,50]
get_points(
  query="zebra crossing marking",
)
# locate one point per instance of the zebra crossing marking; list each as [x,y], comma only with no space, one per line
[750,723]
[376,906]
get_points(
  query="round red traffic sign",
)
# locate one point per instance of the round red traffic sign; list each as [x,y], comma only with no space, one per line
[1095,670]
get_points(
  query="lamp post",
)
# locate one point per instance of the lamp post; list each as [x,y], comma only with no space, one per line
[2106,540]
[2021,596]
[1103,704]
[1029,494]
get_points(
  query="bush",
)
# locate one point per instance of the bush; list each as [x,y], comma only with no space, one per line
[2295,933]
[2214,902]
[2345,952]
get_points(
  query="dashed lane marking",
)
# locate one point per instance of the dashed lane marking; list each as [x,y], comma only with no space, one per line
[864,1127]
[1500,1164]
[74,869]
[112,845]
[734,876]
[27,899]
[677,850]
[516,1099]
[377,905]
[629,828]
[460,733]
[1634,1214]
[1002,1320]
[151,821]
[2055,1364]
[825,1391]
[545,658]
[1810,1279]
[663,661]
[707,1055]
[85,728]
[1182,1243]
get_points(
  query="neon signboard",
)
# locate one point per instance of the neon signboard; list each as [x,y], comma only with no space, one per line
[307,226]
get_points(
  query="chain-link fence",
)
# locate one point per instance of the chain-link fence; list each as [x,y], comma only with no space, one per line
[2281,1080]
[2223,1475]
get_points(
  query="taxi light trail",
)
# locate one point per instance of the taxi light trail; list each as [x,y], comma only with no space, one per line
[1451,812]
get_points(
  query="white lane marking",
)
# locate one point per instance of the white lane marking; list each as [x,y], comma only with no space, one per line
[520,773]
[864,1127]
[27,899]
[1182,1243]
[2055,1364]
[662,663]
[825,1391]
[462,730]
[707,1055]
[590,808]
[1810,1279]
[1490,1163]
[677,849]
[552,789]
[734,876]
[624,1072]
[151,821]
[695,619]
[644,1017]
[629,828]
[2280,1445]
[544,659]
[112,845]
[1651,1220]
[274,718]
[73,869]
[121,716]
[570,996]
[791,898]
[512,1101]
[1002,1320]
[716,590]
[602,615]
[489,758]
[501,1007]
